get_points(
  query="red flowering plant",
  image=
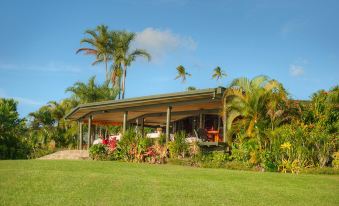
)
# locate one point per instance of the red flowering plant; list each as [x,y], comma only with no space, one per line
[136,148]
[112,144]
[113,150]
[156,154]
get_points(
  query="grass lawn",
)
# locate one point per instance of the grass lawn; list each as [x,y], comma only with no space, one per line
[48,182]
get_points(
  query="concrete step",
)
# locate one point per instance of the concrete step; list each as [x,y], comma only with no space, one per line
[67,155]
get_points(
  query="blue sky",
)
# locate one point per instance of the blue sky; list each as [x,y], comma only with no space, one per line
[295,42]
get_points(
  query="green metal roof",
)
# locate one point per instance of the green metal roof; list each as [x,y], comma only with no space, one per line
[147,100]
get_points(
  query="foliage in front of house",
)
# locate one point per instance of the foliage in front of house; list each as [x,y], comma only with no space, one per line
[132,148]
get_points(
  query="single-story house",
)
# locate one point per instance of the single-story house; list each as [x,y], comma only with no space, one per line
[188,111]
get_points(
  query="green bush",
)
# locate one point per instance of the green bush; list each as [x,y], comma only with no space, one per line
[127,145]
[310,146]
[161,140]
[335,161]
[12,131]
[98,152]
[38,152]
[178,147]
[214,159]
[269,161]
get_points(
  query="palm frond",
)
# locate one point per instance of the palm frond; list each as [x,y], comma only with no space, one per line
[87,51]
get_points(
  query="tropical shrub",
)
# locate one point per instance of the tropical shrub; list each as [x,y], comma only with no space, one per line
[194,150]
[37,152]
[12,130]
[136,148]
[161,140]
[214,159]
[335,162]
[98,152]
[156,154]
[131,145]
[178,148]
[277,134]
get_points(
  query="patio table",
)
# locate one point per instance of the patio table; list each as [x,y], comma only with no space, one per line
[215,134]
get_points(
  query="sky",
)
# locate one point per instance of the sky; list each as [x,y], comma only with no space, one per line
[295,42]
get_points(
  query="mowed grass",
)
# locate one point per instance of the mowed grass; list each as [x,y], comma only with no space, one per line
[48,182]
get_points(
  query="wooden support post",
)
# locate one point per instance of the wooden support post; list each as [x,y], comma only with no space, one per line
[168,121]
[224,127]
[89,132]
[95,132]
[142,126]
[194,123]
[218,122]
[174,127]
[201,121]
[80,136]
[124,123]
[137,125]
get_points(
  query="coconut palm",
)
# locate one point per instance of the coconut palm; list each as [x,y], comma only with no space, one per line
[182,74]
[123,56]
[101,46]
[57,110]
[218,73]
[249,101]
[60,109]
[116,74]
[91,92]
[42,118]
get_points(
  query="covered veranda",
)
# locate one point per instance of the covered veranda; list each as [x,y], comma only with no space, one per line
[167,111]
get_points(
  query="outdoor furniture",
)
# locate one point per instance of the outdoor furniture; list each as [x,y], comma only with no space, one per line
[97,141]
[117,137]
[201,134]
[214,135]
[192,139]
[157,135]
[153,135]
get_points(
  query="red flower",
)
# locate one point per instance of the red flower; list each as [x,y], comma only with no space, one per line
[112,144]
[105,141]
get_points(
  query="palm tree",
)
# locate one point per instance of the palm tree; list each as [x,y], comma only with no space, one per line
[42,118]
[57,110]
[101,46]
[91,92]
[123,57]
[250,101]
[182,73]
[116,74]
[218,73]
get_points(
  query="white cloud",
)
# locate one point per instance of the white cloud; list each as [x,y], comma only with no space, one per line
[296,70]
[49,67]
[161,42]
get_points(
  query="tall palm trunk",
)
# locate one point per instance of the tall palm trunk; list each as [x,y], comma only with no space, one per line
[119,87]
[105,60]
[227,139]
[123,82]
